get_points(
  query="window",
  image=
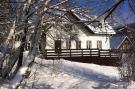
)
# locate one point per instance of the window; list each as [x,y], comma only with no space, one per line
[89,45]
[99,44]
[100,25]
[27,46]
[17,37]
[78,44]
[126,45]
[68,44]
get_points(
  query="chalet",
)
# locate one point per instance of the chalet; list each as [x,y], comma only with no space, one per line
[78,37]
[81,38]
[95,35]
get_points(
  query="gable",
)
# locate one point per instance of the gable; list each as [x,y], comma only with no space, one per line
[126,44]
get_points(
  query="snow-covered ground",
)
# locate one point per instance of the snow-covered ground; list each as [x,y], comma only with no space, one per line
[62,74]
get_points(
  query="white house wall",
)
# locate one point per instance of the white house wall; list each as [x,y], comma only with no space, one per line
[82,37]
[105,41]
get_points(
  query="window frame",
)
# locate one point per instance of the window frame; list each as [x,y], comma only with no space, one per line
[89,44]
[99,44]
[68,44]
[78,44]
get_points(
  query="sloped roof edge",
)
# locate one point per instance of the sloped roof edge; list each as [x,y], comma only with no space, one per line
[91,29]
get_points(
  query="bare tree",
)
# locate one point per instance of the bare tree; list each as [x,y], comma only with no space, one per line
[29,17]
[127,68]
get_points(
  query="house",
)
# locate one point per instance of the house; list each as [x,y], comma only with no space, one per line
[126,44]
[121,43]
[79,34]
[81,40]
[125,38]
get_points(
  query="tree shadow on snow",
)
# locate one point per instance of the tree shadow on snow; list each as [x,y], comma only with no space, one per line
[40,86]
[103,86]
[89,75]
[104,81]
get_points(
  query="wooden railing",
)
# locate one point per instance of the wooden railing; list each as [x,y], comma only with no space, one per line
[81,52]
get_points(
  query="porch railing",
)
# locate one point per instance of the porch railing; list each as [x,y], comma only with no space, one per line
[81,52]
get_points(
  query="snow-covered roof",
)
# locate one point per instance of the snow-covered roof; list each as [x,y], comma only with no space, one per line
[94,26]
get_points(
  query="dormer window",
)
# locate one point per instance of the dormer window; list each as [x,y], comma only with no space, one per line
[100,25]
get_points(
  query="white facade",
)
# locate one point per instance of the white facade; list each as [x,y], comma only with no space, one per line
[82,37]
[94,41]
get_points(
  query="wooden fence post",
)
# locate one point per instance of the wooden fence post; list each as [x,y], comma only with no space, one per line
[82,52]
[90,52]
[99,52]
[110,52]
[70,52]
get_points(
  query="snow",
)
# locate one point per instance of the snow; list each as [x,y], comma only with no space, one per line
[18,77]
[63,74]
[131,85]
[17,44]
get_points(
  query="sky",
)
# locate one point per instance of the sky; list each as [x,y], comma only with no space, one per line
[122,13]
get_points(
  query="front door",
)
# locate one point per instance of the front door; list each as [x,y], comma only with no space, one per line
[57,46]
